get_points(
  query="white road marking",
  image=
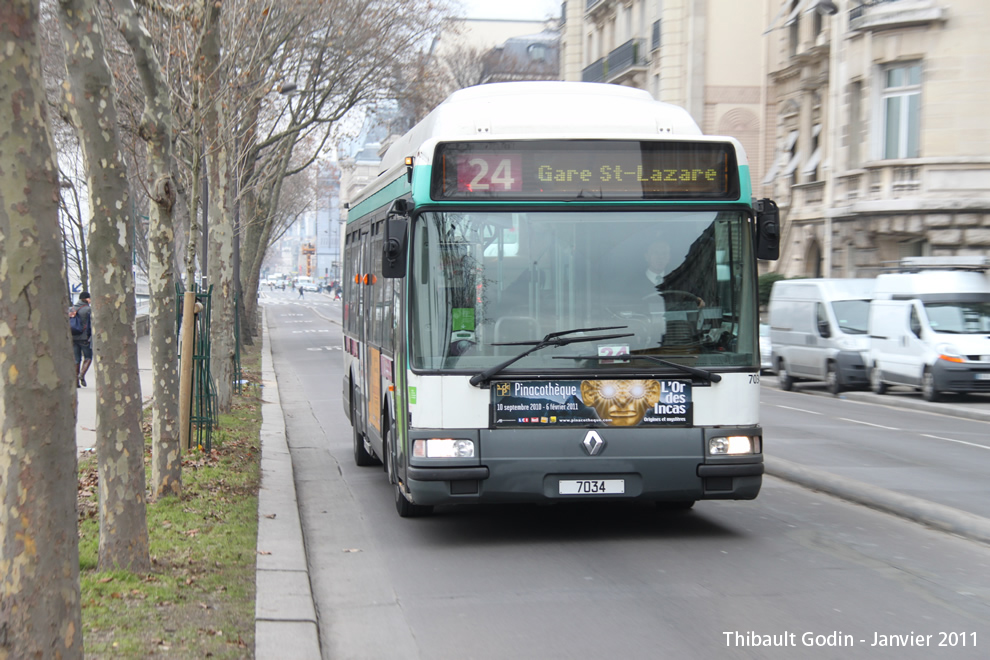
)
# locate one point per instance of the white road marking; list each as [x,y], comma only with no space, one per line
[810,412]
[962,442]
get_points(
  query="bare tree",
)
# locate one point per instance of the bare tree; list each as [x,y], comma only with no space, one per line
[40,612]
[327,59]
[156,130]
[221,236]
[91,106]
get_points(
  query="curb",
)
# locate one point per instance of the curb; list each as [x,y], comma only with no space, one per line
[937,516]
[285,623]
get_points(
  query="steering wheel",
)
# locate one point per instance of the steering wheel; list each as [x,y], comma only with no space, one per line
[459,347]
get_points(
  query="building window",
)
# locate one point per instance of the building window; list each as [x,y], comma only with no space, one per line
[787,158]
[537,52]
[793,23]
[810,169]
[855,123]
[901,108]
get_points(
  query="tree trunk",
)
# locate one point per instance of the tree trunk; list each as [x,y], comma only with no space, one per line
[221,233]
[156,130]
[40,613]
[119,439]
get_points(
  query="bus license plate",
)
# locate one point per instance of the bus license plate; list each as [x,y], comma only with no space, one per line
[592,486]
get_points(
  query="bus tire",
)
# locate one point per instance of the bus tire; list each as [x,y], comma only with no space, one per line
[407,509]
[362,457]
[403,506]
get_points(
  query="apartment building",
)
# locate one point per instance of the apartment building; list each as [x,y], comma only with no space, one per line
[707,56]
[882,142]
[864,119]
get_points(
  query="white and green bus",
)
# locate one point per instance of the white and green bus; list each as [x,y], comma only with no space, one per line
[551,295]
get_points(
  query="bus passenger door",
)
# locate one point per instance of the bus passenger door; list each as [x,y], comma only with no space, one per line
[359,404]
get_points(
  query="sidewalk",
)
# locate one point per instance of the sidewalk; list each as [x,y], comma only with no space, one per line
[86,396]
[285,617]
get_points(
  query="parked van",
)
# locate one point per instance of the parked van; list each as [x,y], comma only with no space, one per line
[818,331]
[930,327]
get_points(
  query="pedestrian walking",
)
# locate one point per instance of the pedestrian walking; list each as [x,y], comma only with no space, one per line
[81,324]
[300,292]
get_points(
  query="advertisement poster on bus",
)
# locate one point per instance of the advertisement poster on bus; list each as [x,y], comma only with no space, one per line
[633,402]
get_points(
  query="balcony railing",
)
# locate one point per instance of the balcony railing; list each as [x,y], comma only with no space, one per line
[873,15]
[917,179]
[626,56]
[594,72]
[864,5]
[629,57]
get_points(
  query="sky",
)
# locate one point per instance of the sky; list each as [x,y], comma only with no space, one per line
[534,10]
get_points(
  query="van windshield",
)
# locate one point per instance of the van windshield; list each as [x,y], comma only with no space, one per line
[852,315]
[963,318]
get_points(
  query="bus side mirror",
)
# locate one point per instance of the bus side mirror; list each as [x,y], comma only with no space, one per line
[394,243]
[767,230]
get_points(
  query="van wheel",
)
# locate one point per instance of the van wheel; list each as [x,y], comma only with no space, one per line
[784,380]
[832,379]
[876,381]
[928,390]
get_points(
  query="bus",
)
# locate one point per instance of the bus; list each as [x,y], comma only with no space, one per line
[502,339]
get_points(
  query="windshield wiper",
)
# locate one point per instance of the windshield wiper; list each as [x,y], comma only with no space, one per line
[700,373]
[552,339]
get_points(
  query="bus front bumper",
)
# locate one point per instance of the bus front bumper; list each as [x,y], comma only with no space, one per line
[514,482]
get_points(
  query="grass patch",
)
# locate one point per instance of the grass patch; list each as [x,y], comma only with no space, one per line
[198,601]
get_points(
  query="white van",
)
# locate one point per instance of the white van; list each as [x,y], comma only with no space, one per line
[818,331]
[930,328]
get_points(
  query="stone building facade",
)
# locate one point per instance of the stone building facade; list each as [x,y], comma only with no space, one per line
[882,146]
[703,55]
[864,119]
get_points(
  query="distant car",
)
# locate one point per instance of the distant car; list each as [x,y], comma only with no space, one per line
[766,363]
[310,286]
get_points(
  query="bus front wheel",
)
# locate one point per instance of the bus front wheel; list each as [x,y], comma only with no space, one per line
[403,506]
[407,509]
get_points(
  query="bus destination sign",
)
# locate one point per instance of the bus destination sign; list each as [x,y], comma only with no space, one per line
[586,169]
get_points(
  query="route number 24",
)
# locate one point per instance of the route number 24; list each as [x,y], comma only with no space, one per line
[489,173]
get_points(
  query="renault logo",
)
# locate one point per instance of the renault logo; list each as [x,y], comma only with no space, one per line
[593,443]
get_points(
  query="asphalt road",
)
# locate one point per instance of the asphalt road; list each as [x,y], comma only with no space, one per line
[577,581]
[899,443]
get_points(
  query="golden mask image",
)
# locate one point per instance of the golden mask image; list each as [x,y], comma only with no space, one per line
[621,402]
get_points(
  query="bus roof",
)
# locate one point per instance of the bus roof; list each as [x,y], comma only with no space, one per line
[550,109]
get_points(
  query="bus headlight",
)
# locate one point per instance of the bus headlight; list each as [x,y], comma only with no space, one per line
[733,445]
[443,448]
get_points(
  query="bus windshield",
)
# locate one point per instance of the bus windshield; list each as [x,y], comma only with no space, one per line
[485,286]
